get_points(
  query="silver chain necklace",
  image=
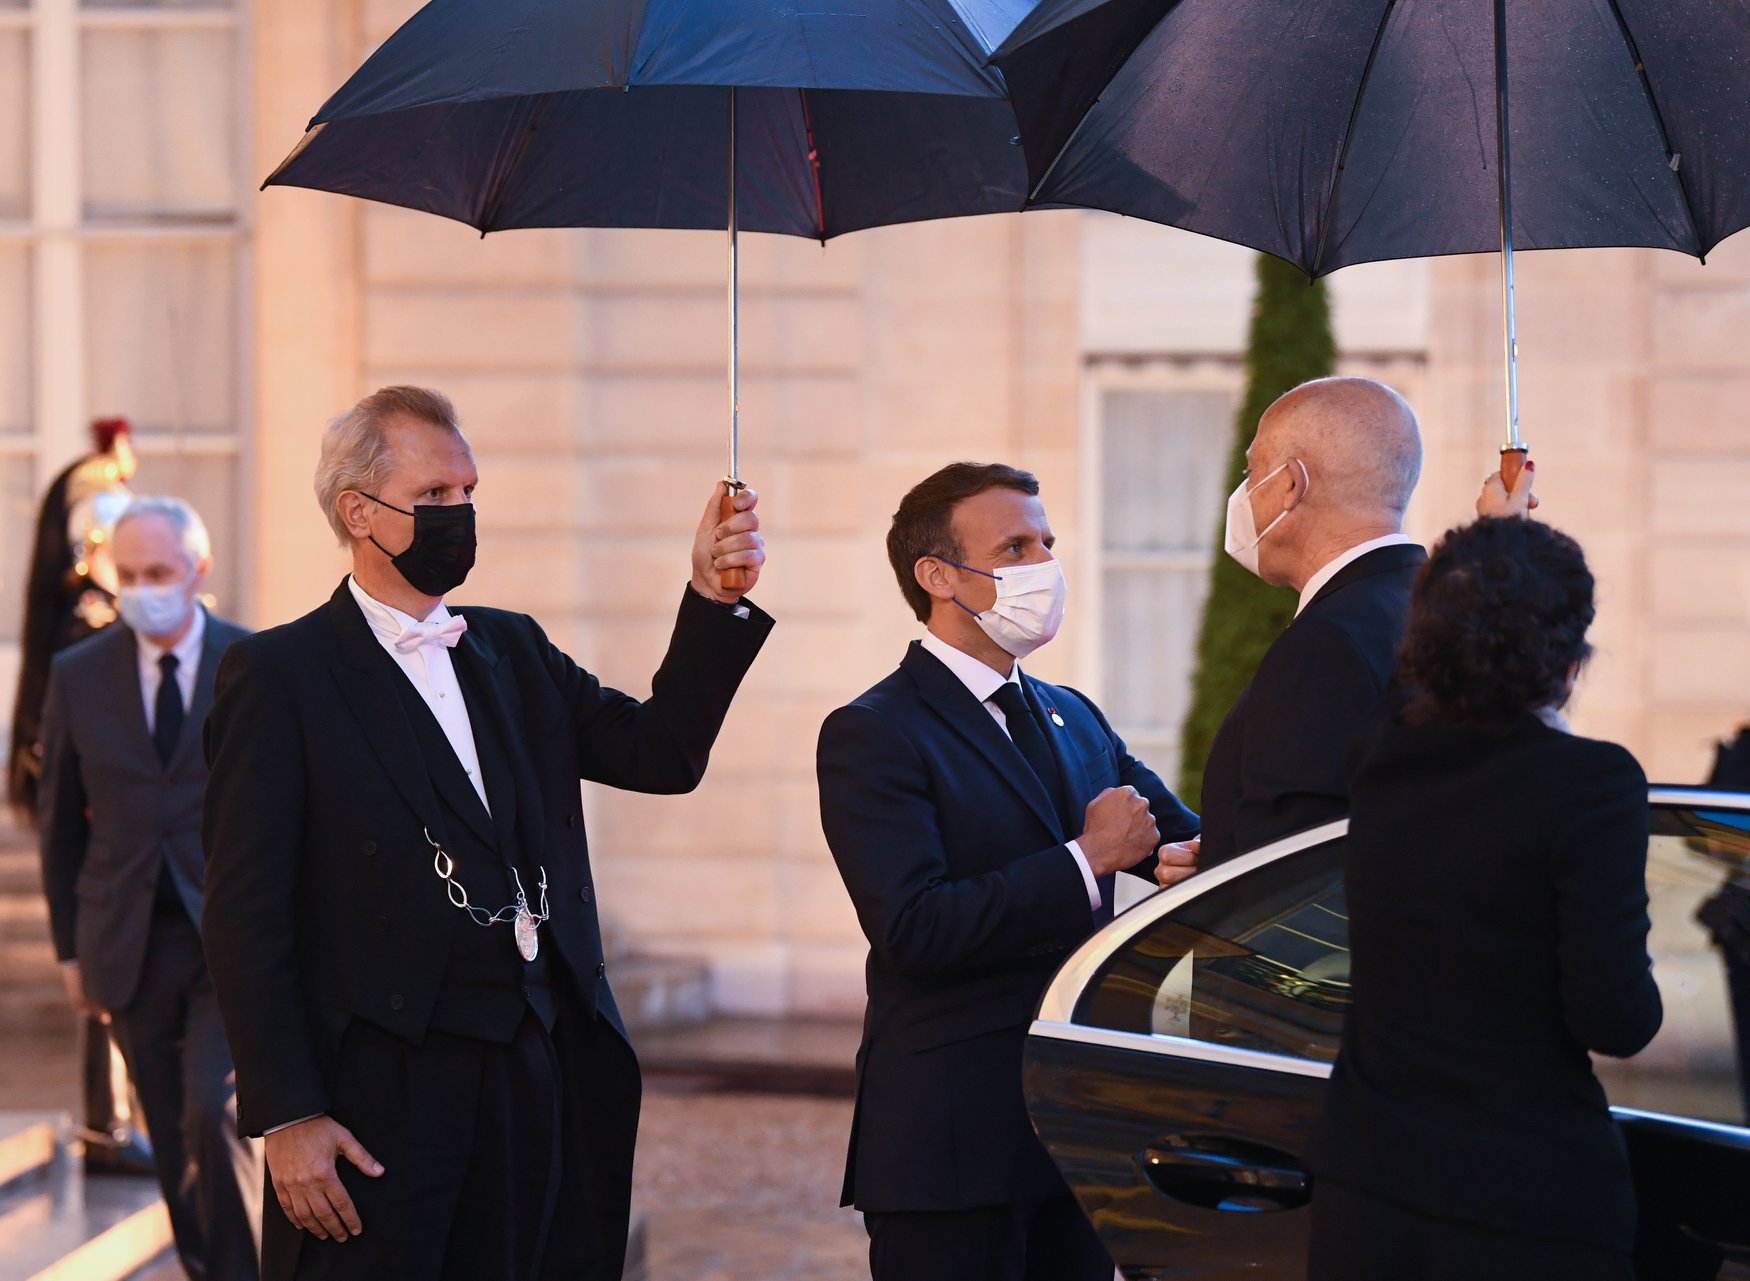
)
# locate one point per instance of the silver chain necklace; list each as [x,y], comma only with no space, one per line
[524,921]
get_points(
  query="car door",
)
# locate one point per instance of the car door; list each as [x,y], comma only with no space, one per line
[1177,1062]
[1178,1059]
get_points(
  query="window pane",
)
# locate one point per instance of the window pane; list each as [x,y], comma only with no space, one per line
[18,501]
[209,485]
[159,127]
[15,116]
[1150,635]
[1698,888]
[15,339]
[1260,963]
[1164,455]
[160,326]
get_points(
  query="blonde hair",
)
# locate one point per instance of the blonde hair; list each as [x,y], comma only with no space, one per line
[356,453]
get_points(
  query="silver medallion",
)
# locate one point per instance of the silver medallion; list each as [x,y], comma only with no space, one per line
[528,943]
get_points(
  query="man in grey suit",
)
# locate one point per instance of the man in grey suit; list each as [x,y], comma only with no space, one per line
[119,815]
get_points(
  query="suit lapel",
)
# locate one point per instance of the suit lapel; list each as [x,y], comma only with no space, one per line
[454,788]
[213,643]
[489,689]
[365,674]
[1069,769]
[122,674]
[954,703]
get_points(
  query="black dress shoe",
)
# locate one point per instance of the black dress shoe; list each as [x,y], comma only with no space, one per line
[131,1156]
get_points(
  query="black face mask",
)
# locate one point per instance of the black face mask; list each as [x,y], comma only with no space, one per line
[438,559]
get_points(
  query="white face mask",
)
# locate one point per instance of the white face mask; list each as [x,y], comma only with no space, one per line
[1242,535]
[1029,606]
[154,611]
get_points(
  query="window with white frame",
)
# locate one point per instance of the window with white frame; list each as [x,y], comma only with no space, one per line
[1160,441]
[123,236]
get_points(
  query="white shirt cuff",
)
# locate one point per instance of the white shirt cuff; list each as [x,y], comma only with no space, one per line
[289,1124]
[1088,877]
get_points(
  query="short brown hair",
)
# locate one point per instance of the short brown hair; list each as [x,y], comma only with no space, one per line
[923,525]
[355,448]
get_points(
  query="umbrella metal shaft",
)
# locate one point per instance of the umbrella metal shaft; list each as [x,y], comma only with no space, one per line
[1504,167]
[734,313]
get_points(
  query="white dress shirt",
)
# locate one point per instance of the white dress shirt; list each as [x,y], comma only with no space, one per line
[433,675]
[1332,568]
[188,665]
[984,682]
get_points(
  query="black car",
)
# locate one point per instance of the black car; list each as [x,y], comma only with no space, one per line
[1177,1061]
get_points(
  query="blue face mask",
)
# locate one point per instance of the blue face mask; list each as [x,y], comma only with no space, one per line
[154,611]
[1029,607]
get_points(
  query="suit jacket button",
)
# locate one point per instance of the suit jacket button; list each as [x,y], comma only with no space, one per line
[396,1002]
[571,820]
[370,848]
[584,894]
[601,969]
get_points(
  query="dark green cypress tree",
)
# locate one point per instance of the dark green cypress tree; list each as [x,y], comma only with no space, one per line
[1289,342]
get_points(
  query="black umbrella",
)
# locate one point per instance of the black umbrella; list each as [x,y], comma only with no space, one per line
[1334,132]
[740,114]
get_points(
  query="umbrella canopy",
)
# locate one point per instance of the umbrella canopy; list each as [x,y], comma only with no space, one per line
[1334,132]
[615,113]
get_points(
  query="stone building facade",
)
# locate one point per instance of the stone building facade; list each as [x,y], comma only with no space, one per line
[588,367]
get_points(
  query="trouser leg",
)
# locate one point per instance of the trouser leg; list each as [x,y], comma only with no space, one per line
[598,1131]
[1062,1244]
[985,1244]
[228,1169]
[150,1033]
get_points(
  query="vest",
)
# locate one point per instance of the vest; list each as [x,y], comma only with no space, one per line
[486,987]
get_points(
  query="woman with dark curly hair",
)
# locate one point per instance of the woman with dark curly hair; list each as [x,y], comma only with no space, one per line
[1496,873]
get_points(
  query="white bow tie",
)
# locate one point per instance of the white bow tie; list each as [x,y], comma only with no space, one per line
[446,633]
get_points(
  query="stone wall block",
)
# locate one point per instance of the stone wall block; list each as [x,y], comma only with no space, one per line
[1700,329]
[488,330]
[1701,667]
[408,247]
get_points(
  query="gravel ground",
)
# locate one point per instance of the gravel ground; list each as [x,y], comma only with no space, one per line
[745,1187]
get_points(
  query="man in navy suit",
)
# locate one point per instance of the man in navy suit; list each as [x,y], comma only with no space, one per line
[978,817]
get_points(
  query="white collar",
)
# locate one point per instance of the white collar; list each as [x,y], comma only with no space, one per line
[187,650]
[1334,567]
[385,620]
[1552,716]
[971,672]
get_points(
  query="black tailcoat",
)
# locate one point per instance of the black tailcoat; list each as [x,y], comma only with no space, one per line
[328,775]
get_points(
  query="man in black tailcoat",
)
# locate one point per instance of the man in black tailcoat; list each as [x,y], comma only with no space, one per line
[400,916]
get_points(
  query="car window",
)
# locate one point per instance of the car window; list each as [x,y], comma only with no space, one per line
[1260,962]
[1698,890]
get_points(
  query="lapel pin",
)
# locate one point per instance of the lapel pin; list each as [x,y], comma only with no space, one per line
[1055,718]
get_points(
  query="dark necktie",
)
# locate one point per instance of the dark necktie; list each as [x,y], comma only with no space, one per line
[167,712]
[1024,728]
[1029,736]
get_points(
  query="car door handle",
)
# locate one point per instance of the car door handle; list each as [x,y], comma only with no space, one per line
[1215,1172]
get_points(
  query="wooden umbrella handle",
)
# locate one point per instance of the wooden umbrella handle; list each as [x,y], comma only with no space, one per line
[734,579]
[1512,463]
